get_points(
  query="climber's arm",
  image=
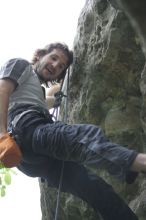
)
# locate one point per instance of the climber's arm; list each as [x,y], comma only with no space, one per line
[6,88]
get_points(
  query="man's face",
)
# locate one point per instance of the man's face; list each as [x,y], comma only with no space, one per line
[52,65]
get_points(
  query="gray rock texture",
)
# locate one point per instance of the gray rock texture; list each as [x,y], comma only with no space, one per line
[108,88]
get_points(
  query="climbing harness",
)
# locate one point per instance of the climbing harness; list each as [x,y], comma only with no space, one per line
[55,115]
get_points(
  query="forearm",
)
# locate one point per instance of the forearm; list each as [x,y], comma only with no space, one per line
[6,88]
[4,100]
[50,101]
[50,98]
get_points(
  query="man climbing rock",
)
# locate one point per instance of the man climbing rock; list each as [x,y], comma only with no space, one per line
[41,144]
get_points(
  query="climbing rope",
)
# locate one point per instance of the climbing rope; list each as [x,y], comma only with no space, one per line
[65,120]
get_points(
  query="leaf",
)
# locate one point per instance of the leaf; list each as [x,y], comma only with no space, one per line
[7,178]
[3,192]
[1,165]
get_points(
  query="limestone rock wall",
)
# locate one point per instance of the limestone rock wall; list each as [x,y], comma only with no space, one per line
[106,88]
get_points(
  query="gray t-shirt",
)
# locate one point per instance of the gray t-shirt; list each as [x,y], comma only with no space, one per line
[28,88]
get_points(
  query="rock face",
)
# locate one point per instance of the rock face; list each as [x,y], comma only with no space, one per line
[106,88]
[136,12]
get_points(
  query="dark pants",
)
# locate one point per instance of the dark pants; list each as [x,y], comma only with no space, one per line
[43,144]
[80,182]
[85,144]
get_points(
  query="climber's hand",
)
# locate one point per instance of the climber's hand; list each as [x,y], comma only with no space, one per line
[58,99]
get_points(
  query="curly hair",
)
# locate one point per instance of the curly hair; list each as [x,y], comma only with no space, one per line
[48,48]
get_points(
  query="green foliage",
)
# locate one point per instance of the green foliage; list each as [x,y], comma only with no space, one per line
[5,179]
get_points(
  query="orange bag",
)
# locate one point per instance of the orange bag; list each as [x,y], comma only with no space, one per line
[10,154]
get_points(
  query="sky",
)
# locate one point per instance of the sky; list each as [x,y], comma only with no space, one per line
[30,24]
[27,25]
